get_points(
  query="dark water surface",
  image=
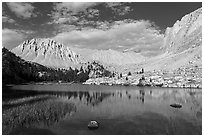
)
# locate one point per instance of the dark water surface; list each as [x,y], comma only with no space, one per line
[118,109]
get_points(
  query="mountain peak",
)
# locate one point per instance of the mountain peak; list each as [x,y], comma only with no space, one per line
[184,33]
[47,52]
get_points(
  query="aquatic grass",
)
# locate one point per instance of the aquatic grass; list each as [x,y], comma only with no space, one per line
[26,100]
[45,112]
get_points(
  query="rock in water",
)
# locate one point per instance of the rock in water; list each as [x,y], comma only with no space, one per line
[176,105]
[93,125]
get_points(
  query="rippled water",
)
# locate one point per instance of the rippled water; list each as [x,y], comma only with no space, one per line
[119,109]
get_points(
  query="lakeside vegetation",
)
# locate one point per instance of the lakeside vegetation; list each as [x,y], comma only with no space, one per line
[47,112]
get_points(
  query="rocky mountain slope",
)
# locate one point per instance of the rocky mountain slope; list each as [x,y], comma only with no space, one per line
[53,54]
[47,52]
[183,44]
[110,57]
[16,70]
[180,65]
[182,47]
[185,34]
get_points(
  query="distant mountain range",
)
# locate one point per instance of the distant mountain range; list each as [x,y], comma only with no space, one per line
[53,54]
[182,47]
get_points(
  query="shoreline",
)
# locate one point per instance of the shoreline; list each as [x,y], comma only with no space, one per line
[132,85]
[101,84]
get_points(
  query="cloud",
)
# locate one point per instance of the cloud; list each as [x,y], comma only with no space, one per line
[6,19]
[122,35]
[119,8]
[67,19]
[22,10]
[72,12]
[123,10]
[104,25]
[113,4]
[11,38]
[64,28]
[92,13]
[74,6]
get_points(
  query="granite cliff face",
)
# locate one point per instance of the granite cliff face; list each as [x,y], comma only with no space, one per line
[185,34]
[182,45]
[47,52]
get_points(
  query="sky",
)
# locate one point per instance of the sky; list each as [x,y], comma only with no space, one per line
[119,26]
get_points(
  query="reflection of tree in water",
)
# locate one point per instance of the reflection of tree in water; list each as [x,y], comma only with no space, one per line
[129,96]
[45,113]
[142,93]
[150,92]
[94,98]
[91,98]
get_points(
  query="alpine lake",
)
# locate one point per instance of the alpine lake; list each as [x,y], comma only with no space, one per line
[66,109]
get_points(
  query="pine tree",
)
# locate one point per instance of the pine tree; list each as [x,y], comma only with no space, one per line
[129,73]
[142,70]
[81,69]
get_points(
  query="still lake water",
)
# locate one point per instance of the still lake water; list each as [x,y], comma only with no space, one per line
[122,110]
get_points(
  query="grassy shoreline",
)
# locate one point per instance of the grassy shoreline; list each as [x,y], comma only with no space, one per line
[46,111]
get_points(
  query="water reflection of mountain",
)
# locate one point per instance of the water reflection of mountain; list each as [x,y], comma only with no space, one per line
[88,98]
[94,98]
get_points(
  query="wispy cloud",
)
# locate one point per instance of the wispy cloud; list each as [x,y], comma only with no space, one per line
[64,20]
[122,35]
[22,10]
[92,13]
[71,12]
[73,6]
[123,10]
[118,8]
[80,12]
[7,20]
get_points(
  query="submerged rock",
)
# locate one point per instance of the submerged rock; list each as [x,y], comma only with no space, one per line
[93,125]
